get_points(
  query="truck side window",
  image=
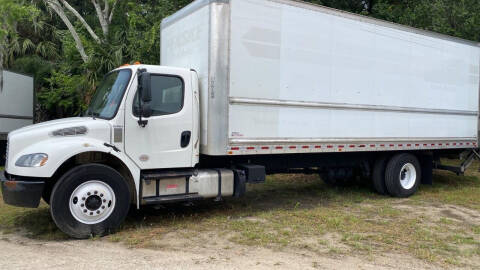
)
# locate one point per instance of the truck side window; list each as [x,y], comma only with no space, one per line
[167,95]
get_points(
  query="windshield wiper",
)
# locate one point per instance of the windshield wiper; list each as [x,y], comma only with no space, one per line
[92,114]
[95,115]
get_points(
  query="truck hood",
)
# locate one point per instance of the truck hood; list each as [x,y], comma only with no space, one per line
[22,138]
[54,123]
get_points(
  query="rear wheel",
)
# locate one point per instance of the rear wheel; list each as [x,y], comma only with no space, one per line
[403,175]
[90,200]
[378,175]
[341,177]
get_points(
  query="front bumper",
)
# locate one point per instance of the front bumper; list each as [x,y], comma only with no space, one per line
[21,191]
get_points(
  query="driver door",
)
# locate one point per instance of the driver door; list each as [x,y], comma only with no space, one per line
[166,140]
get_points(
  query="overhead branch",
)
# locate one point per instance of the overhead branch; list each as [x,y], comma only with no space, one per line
[55,6]
[3,41]
[101,17]
[111,12]
[106,7]
[82,20]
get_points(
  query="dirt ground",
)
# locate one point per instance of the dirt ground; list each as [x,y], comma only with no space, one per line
[290,222]
[18,252]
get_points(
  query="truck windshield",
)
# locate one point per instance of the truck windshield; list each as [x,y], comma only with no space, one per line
[108,96]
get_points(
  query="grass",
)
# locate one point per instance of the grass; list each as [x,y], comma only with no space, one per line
[440,224]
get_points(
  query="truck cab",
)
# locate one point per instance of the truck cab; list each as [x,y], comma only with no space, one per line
[142,118]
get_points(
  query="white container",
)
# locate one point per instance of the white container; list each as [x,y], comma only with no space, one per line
[16,102]
[280,76]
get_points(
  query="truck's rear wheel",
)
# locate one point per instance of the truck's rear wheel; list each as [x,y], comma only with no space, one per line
[378,175]
[340,177]
[90,200]
[402,175]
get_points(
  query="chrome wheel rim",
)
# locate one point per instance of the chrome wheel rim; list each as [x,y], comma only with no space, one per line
[408,176]
[92,202]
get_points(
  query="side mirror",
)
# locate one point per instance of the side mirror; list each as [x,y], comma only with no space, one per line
[145,94]
[145,87]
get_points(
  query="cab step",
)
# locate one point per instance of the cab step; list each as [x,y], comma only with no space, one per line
[172,199]
[166,174]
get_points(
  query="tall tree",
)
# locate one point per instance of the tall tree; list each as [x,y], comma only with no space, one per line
[356,6]
[460,18]
[11,13]
[104,15]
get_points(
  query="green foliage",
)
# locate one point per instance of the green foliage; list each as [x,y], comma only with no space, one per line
[12,12]
[65,94]
[38,67]
[140,31]
[357,6]
[40,44]
[460,18]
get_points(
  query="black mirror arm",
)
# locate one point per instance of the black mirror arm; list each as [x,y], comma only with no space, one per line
[141,122]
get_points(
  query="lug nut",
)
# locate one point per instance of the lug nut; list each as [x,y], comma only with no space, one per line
[103,206]
[88,193]
[83,198]
[84,210]
[82,205]
[91,213]
[101,194]
[104,200]
[96,192]
[98,211]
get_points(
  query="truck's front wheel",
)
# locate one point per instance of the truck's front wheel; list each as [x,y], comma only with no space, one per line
[90,200]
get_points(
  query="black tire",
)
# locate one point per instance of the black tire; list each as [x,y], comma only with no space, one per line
[46,197]
[393,175]
[343,180]
[63,189]
[378,175]
[47,192]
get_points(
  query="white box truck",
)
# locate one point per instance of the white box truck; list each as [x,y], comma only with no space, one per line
[248,88]
[16,105]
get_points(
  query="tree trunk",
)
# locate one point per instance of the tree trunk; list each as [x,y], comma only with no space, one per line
[370,6]
[1,67]
[55,5]
[101,17]
[82,20]
[3,48]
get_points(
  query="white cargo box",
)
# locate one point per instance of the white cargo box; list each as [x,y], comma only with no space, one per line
[280,76]
[16,102]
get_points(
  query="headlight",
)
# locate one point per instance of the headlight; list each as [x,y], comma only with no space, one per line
[32,160]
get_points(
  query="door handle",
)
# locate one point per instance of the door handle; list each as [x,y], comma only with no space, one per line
[185,139]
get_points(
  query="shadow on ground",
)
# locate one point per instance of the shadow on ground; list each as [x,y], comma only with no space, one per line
[280,192]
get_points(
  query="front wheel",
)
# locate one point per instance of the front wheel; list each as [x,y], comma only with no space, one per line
[90,200]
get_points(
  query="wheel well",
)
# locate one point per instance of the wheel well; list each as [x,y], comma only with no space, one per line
[93,157]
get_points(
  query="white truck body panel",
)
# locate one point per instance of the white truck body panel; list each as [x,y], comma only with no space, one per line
[288,77]
[16,102]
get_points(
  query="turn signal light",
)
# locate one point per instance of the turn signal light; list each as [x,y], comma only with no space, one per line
[44,160]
